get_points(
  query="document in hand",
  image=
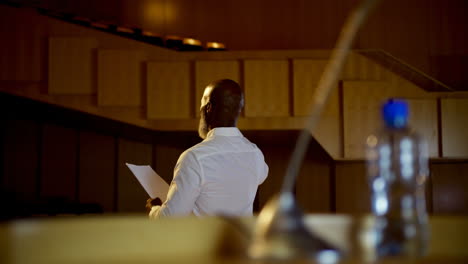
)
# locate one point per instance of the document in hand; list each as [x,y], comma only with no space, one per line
[153,184]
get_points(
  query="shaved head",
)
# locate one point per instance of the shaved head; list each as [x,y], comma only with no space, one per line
[221,105]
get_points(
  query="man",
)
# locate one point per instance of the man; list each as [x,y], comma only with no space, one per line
[221,174]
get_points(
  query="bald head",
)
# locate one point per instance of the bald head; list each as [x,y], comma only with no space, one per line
[221,104]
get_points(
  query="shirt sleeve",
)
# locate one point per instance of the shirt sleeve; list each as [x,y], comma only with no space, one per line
[184,189]
[264,169]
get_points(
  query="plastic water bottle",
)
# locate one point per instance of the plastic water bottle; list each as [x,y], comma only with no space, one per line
[397,166]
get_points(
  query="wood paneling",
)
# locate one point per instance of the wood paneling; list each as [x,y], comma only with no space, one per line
[266,88]
[131,195]
[120,77]
[97,169]
[21,159]
[353,194]
[449,187]
[58,162]
[423,119]
[277,164]
[401,87]
[307,74]
[165,160]
[454,127]
[362,102]
[209,71]
[328,130]
[72,65]
[23,46]
[352,188]
[361,114]
[313,186]
[168,90]
[358,67]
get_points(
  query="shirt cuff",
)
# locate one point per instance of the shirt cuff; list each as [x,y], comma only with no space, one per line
[154,213]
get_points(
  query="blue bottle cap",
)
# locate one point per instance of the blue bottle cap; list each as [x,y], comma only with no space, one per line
[395,113]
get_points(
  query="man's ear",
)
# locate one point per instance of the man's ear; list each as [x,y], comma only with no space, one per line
[208,107]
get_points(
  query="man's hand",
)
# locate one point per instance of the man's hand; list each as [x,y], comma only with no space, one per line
[152,202]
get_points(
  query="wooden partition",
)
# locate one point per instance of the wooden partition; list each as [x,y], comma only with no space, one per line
[131,197]
[21,163]
[351,188]
[315,186]
[307,73]
[362,103]
[361,114]
[97,181]
[266,88]
[72,66]
[58,163]
[423,118]
[454,127]
[169,94]
[445,188]
[449,184]
[120,77]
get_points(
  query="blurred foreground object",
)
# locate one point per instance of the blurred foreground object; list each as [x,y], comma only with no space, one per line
[280,232]
[397,167]
[135,239]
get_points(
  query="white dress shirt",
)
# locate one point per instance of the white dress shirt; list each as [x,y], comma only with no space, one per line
[220,175]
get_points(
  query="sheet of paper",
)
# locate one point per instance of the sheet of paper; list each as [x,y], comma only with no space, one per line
[153,184]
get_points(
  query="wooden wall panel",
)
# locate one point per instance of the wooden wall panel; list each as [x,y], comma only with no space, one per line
[454,127]
[72,65]
[361,114]
[209,71]
[423,119]
[58,162]
[97,179]
[21,159]
[168,90]
[131,195]
[307,74]
[313,187]
[120,77]
[449,187]
[352,188]
[266,88]
[165,160]
[353,193]
[328,130]
[404,88]
[360,68]
[23,47]
[277,163]
[362,102]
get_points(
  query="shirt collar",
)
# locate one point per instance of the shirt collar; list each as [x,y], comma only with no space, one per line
[224,131]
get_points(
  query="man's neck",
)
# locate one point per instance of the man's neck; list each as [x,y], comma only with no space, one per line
[230,124]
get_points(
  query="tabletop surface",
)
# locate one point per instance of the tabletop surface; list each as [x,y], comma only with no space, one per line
[136,239]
